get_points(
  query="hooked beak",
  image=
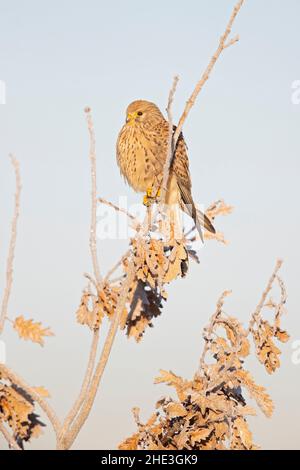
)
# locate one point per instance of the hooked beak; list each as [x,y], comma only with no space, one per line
[131,117]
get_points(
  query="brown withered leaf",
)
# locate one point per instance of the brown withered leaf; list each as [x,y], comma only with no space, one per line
[175,410]
[236,335]
[145,304]
[200,435]
[31,330]
[42,391]
[131,443]
[266,350]
[169,378]
[242,430]
[93,308]
[17,409]
[246,410]
[150,260]
[282,335]
[85,314]
[217,236]
[106,303]
[218,208]
[257,392]
[221,430]
[178,262]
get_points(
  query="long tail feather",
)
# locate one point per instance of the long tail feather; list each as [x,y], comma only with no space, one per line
[204,221]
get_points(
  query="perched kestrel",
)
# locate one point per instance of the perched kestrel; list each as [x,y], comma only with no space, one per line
[141,153]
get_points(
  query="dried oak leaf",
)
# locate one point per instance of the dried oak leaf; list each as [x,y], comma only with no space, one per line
[242,433]
[93,308]
[181,386]
[236,335]
[282,335]
[17,410]
[131,443]
[31,330]
[85,314]
[177,262]
[218,208]
[145,304]
[175,410]
[266,350]
[257,392]
[200,434]
[149,260]
[214,210]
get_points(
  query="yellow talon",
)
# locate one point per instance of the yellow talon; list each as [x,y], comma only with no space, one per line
[149,198]
[149,192]
[146,201]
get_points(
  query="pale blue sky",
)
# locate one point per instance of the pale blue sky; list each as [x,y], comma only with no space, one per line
[243,136]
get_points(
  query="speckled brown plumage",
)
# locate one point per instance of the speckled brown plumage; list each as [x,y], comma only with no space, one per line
[141,153]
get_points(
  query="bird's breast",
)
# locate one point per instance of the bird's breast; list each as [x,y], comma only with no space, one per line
[138,158]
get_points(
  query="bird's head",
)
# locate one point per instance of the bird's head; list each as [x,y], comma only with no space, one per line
[142,112]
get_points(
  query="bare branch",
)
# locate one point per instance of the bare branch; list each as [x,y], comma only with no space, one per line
[223,44]
[232,41]
[12,245]
[116,266]
[256,314]
[93,229]
[136,222]
[209,329]
[170,150]
[91,280]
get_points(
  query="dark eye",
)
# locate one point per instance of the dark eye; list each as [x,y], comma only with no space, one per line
[140,113]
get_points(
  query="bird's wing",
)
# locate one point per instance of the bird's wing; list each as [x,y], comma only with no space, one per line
[180,166]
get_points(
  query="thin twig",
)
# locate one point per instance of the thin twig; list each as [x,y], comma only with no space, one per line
[170,150]
[10,440]
[208,331]
[12,244]
[17,380]
[91,280]
[116,266]
[232,41]
[223,44]
[257,312]
[93,228]
[136,222]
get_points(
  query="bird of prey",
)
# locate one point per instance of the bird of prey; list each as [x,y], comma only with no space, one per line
[142,148]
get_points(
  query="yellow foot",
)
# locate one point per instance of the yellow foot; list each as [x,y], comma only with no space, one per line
[147,201]
[149,193]
[149,198]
